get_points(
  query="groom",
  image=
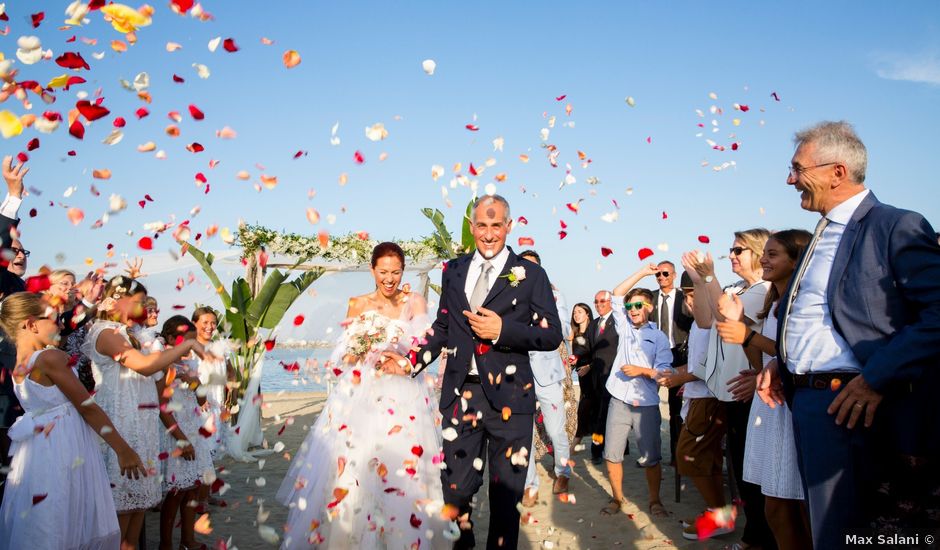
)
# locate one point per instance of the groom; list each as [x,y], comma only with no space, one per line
[495,308]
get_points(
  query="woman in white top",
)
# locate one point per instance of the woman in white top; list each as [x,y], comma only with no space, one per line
[729,373]
[770,458]
[126,390]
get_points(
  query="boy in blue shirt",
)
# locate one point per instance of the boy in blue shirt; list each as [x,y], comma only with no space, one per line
[643,353]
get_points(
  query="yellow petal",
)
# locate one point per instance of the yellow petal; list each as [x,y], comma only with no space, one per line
[10,124]
[291,59]
[58,81]
[125,19]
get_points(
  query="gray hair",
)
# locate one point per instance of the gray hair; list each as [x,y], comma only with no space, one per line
[494,198]
[836,142]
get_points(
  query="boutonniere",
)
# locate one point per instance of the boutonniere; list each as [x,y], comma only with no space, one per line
[516,275]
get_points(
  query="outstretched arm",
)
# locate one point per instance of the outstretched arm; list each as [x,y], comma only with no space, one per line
[112,344]
[627,284]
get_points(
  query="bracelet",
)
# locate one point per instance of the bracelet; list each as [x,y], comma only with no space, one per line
[749,338]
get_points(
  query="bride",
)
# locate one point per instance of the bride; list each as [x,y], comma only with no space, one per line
[368,473]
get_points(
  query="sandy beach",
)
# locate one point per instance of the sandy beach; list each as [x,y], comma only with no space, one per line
[252,517]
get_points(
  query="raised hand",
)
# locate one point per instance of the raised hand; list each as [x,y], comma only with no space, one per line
[133,269]
[689,260]
[14,176]
[731,307]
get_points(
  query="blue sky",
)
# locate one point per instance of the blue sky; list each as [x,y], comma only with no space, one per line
[500,66]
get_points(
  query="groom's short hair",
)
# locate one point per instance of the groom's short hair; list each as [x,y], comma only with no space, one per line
[495,198]
[531,254]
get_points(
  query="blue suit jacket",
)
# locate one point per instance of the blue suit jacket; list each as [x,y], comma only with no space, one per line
[523,309]
[546,365]
[884,293]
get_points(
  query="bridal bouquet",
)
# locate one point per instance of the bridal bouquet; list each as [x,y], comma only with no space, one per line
[372,332]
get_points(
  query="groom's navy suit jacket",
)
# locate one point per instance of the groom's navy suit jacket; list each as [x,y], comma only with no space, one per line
[530,323]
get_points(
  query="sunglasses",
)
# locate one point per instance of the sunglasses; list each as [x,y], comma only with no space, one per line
[16,251]
[663,274]
[601,301]
[736,250]
[636,305]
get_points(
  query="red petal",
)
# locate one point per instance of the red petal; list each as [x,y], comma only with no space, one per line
[201,177]
[195,147]
[526,241]
[606,251]
[72,60]
[71,153]
[38,283]
[560,98]
[299,154]
[91,111]
[562,234]
[77,130]
[39,498]
[142,112]
[415,522]
[73,80]
[745,108]
[196,113]
[33,212]
[148,197]
[229,45]
[178,79]
[523,220]
[417,450]
[775,96]
[37,19]
[182,6]
[472,127]
[665,215]
[473,171]
[22,157]
[734,146]
[299,320]
[269,344]
[357,156]
[119,122]
[145,243]
[644,253]
[704,239]
[563,224]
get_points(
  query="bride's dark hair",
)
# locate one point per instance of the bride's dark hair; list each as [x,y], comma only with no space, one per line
[387,249]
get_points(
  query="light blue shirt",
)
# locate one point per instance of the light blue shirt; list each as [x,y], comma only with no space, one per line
[546,365]
[813,344]
[638,391]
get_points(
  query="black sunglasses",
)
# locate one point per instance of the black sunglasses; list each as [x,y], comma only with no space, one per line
[736,250]
[663,274]
[16,251]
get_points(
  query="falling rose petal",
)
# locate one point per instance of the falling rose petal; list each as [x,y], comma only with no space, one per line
[606,251]
[77,130]
[103,174]
[323,238]
[472,127]
[75,215]
[357,156]
[195,147]
[33,144]
[734,146]
[196,113]
[178,79]
[313,216]
[270,182]
[526,241]
[665,216]
[202,525]
[644,253]
[22,157]
[269,344]
[775,96]
[291,59]
[91,111]
[181,6]
[145,243]
[39,498]
[428,66]
[119,122]
[72,60]
[704,239]
[142,112]
[574,206]
[299,320]
[562,235]
[561,98]
[10,124]
[229,45]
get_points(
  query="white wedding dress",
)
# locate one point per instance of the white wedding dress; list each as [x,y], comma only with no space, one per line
[368,473]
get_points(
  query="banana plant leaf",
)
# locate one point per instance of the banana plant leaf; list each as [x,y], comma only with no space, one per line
[261,302]
[442,236]
[235,315]
[286,294]
[436,288]
[466,235]
[205,261]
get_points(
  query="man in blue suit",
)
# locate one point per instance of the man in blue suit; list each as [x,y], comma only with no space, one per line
[858,325]
[495,308]
[549,373]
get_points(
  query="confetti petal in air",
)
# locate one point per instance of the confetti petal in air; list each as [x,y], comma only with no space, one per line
[91,111]
[630,101]
[29,50]
[72,60]
[126,19]
[606,251]
[704,239]
[229,45]
[10,125]
[291,59]
[428,66]
[526,241]
[145,243]
[77,130]
[357,156]
[75,215]
[376,132]
[644,253]
[196,113]
[472,127]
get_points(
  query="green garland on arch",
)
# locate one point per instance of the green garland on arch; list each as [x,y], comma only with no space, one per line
[351,247]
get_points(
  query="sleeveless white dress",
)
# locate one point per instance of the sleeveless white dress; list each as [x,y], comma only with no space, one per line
[368,473]
[212,375]
[130,401]
[57,494]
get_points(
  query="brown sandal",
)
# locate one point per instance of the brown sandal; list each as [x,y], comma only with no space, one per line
[657,510]
[612,507]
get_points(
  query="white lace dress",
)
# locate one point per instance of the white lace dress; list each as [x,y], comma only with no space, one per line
[130,401]
[368,473]
[57,493]
[212,376]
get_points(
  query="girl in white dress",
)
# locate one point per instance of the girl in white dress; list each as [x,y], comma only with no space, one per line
[57,493]
[368,472]
[127,393]
[187,456]
[770,458]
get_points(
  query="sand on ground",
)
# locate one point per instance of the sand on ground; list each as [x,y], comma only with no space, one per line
[251,515]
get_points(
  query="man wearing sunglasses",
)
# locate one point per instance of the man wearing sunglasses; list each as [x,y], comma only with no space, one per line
[602,347]
[858,333]
[670,316]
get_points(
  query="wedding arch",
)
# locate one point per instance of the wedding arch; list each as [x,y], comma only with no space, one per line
[261,298]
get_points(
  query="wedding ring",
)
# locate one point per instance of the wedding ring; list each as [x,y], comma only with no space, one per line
[859,404]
